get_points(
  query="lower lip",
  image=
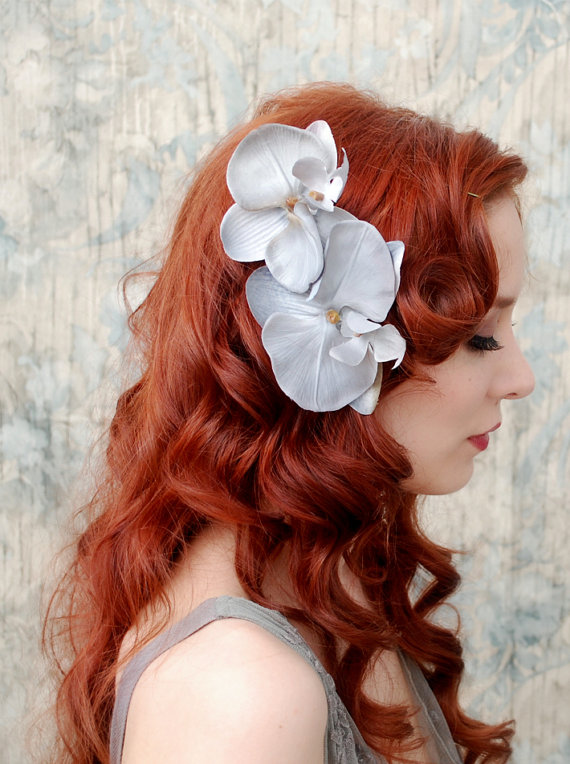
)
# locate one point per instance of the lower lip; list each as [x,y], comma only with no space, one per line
[480,441]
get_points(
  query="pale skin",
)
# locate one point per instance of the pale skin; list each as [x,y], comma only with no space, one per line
[435,422]
[233,692]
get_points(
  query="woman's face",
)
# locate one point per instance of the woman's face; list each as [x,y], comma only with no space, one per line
[443,426]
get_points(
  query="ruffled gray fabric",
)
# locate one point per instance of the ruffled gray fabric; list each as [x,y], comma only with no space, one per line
[343,742]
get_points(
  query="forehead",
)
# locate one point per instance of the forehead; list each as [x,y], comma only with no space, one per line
[508,240]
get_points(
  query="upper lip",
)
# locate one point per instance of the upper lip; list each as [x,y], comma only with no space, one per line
[478,435]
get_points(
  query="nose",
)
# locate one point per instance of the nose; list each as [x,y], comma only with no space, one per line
[518,381]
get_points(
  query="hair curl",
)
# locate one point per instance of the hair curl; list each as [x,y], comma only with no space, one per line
[206,436]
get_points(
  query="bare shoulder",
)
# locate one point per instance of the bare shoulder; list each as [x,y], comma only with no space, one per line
[231,692]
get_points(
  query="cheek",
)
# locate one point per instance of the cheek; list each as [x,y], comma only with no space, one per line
[441,457]
[432,424]
[398,413]
[409,415]
[461,387]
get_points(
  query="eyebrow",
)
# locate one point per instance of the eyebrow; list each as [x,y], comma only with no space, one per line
[505,302]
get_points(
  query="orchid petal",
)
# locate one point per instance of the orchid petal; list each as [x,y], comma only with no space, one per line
[397,253]
[342,171]
[367,402]
[246,234]
[351,352]
[321,190]
[312,173]
[259,172]
[357,323]
[334,190]
[295,256]
[321,130]
[299,351]
[266,296]
[325,221]
[388,344]
[313,291]
[359,273]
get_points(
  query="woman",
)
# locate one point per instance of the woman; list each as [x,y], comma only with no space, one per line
[256,533]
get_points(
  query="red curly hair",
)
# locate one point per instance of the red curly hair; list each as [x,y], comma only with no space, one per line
[206,435]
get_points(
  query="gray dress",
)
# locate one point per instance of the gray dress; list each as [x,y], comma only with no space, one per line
[343,742]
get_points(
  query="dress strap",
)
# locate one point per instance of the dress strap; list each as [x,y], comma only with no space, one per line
[208,611]
[202,615]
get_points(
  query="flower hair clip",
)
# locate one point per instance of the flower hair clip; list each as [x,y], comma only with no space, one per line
[329,278]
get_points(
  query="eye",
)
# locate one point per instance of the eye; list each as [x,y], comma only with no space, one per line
[478,342]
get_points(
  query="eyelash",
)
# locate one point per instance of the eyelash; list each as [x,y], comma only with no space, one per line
[478,342]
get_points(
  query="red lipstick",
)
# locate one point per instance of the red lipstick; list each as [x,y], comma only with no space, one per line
[482,441]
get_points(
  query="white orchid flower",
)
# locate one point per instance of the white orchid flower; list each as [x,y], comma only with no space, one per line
[325,345]
[281,178]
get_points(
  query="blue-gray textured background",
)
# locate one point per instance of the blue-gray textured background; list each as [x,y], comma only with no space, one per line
[105,106]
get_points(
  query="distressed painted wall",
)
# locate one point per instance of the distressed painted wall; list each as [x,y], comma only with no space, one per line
[105,106]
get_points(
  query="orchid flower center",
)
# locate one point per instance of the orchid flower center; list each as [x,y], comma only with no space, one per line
[333,316]
[291,202]
[317,196]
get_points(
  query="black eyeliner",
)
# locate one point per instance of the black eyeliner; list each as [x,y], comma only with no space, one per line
[479,342]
